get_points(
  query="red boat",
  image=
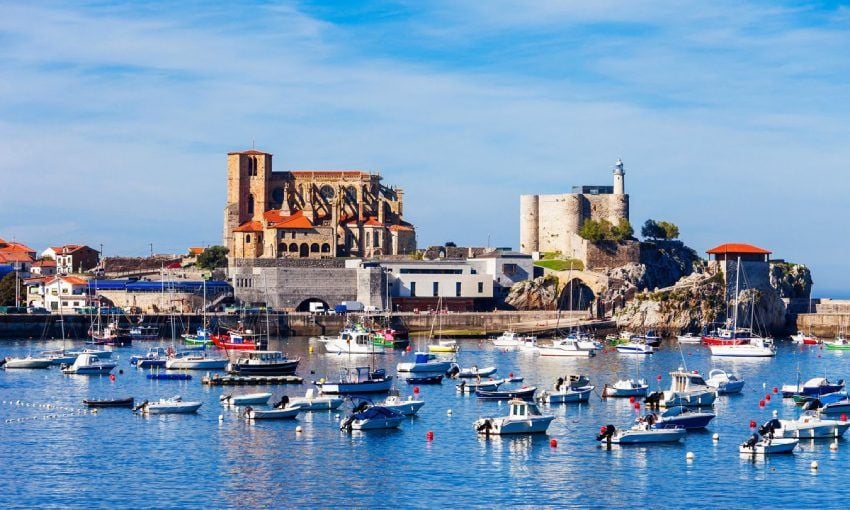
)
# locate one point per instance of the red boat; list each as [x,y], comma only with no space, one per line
[237,340]
[725,337]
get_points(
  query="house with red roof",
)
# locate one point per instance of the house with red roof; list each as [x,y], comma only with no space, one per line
[65,294]
[754,263]
[43,267]
[72,258]
[19,257]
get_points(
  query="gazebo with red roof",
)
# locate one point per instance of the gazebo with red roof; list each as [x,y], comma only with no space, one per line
[733,251]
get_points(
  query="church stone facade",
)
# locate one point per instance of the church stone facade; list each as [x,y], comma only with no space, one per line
[310,214]
[551,223]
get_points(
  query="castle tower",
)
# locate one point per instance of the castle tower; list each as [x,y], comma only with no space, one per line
[248,175]
[619,177]
[529,223]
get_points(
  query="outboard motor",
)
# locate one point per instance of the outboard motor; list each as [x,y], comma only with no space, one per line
[486,427]
[653,400]
[362,406]
[606,432]
[284,401]
[768,428]
[812,405]
[751,442]
[140,406]
[453,370]
[346,423]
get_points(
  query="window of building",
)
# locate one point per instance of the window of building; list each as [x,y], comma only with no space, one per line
[293,235]
[408,270]
[412,289]
[509,269]
[457,289]
[376,239]
[481,287]
[251,204]
[436,289]
[247,238]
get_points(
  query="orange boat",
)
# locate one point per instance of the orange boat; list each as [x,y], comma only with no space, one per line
[237,340]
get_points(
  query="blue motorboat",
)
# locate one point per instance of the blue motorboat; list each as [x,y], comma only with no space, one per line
[833,403]
[679,417]
[155,357]
[725,383]
[430,379]
[812,388]
[523,394]
[366,417]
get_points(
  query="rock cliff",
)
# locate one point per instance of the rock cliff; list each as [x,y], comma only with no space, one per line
[791,280]
[537,294]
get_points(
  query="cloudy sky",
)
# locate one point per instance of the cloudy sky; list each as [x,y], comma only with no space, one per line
[731,117]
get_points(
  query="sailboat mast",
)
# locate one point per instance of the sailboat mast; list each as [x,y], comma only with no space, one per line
[735,311]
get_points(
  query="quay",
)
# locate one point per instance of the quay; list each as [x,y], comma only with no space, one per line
[254,380]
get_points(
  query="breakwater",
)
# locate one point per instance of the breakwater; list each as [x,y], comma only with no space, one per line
[824,325]
[47,327]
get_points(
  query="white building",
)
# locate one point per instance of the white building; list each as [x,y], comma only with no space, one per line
[65,294]
[505,267]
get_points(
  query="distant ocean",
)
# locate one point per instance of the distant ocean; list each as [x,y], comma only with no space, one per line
[832,293]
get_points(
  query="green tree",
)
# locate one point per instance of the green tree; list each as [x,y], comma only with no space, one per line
[622,230]
[213,257]
[7,290]
[595,231]
[651,230]
[670,230]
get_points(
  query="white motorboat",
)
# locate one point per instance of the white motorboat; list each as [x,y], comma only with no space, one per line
[407,407]
[372,418]
[689,338]
[635,347]
[767,446]
[568,389]
[814,387]
[626,388]
[88,364]
[640,433]
[245,399]
[425,362]
[567,346]
[802,338]
[757,347]
[724,382]
[60,356]
[352,341]
[524,418]
[315,402]
[286,413]
[471,372]
[444,345]
[28,362]
[688,389]
[508,339]
[810,425]
[529,345]
[471,388]
[357,380]
[173,405]
[195,361]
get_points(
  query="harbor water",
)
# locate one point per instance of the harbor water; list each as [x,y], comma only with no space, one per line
[58,457]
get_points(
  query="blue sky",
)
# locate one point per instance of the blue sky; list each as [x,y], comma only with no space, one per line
[731,117]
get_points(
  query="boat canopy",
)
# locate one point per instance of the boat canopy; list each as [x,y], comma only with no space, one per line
[375,412]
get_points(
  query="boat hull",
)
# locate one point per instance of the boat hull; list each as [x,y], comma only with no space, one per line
[428,368]
[205,364]
[172,408]
[273,414]
[572,395]
[513,426]
[689,399]
[377,423]
[344,388]
[125,402]
[627,437]
[285,368]
[28,363]
[524,394]
[249,399]
[775,446]
[315,404]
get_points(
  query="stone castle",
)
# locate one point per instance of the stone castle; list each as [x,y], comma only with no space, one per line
[551,223]
[310,214]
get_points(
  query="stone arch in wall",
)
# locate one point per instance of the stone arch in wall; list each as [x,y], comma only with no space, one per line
[582,295]
[304,251]
[304,306]
[293,248]
[326,248]
[251,204]
[314,248]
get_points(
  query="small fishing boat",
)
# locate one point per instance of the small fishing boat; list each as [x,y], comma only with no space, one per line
[568,347]
[245,399]
[121,402]
[757,347]
[353,340]
[471,372]
[679,417]
[141,332]
[767,446]
[195,361]
[804,339]
[287,413]
[88,364]
[840,343]
[201,337]
[425,362]
[566,395]
[173,405]
[237,340]
[626,388]
[372,418]
[524,418]
[689,338]
[313,402]
[155,357]
[635,347]
[407,407]
[471,388]
[444,346]
[652,339]
[357,380]
[522,394]
[640,433]
[688,389]
[810,425]
[508,339]
[262,363]
[833,403]
[813,387]
[724,383]
[27,362]
[426,379]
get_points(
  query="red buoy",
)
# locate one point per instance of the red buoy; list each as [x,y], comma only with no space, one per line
[603,429]
[554,442]
[761,403]
[511,375]
[429,435]
[767,397]
[843,417]
[752,424]
[112,377]
[637,406]
[631,400]
[407,349]
[775,389]
[416,390]
[658,377]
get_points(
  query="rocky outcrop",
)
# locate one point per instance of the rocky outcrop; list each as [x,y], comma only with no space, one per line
[761,309]
[537,294]
[684,308]
[791,280]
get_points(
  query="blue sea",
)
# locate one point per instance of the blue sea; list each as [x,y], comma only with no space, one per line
[59,457]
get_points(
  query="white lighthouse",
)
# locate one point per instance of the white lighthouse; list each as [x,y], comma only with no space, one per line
[619,178]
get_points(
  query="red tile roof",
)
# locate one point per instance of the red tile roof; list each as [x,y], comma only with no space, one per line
[14,256]
[737,248]
[44,263]
[400,228]
[251,152]
[249,226]
[196,250]
[295,222]
[330,174]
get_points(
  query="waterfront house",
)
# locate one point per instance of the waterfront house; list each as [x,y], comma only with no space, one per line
[43,267]
[72,258]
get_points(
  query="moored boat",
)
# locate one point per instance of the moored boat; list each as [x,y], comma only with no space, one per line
[804,339]
[425,362]
[425,379]
[635,347]
[27,362]
[357,380]
[470,373]
[237,340]
[813,387]
[767,446]
[121,402]
[372,418]
[524,418]
[523,394]
[262,363]
[811,425]
[640,433]
[245,399]
[287,413]
[689,338]
[173,405]
[689,390]
[195,361]
[88,364]
[626,388]
[680,417]
[313,402]
[756,347]
[407,407]
[155,357]
[568,346]
[724,383]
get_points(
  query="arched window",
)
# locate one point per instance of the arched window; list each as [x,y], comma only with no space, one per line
[304,251]
[293,248]
[247,238]
[314,248]
[251,204]
[326,248]
[281,249]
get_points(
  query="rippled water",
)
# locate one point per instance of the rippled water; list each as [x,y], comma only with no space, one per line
[119,459]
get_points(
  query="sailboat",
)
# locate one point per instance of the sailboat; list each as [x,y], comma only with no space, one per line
[574,344]
[755,346]
[840,343]
[202,335]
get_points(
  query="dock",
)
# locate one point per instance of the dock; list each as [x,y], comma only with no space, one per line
[253,380]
